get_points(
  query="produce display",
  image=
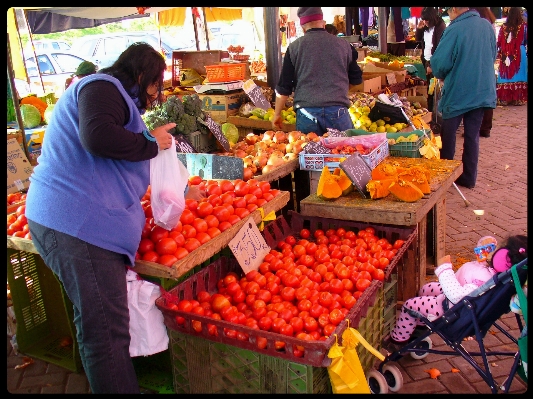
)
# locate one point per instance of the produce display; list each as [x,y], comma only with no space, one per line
[17,224]
[333,185]
[303,289]
[186,113]
[408,184]
[227,203]
[36,111]
[262,153]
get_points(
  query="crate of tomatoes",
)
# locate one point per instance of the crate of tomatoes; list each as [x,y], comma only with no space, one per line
[305,290]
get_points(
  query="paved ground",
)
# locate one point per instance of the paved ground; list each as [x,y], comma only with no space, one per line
[501,191]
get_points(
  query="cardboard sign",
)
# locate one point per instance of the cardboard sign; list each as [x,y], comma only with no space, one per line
[215,128]
[249,246]
[210,166]
[256,94]
[314,147]
[358,172]
[391,78]
[19,168]
[183,145]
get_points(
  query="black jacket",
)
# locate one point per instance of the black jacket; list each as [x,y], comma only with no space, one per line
[437,34]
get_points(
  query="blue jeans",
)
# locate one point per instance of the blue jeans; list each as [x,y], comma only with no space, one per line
[472,123]
[318,119]
[95,281]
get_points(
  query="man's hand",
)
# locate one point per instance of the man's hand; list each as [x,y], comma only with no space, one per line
[277,122]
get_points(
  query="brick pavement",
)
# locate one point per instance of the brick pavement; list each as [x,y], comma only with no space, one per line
[501,191]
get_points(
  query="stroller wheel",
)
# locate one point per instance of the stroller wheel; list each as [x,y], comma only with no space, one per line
[393,376]
[424,345]
[376,382]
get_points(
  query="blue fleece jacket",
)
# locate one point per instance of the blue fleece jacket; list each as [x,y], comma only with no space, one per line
[93,198]
[464,59]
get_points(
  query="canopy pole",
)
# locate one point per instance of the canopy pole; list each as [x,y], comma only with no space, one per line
[273,44]
[14,95]
[205,29]
[195,28]
[34,54]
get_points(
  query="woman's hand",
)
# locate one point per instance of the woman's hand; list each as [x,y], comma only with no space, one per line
[277,122]
[421,24]
[195,193]
[162,136]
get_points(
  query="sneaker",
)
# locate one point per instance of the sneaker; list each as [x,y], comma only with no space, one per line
[391,345]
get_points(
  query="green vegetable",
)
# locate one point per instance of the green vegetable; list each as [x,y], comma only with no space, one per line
[192,105]
[231,132]
[48,113]
[31,117]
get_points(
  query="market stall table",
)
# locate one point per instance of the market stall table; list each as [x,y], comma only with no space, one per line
[428,214]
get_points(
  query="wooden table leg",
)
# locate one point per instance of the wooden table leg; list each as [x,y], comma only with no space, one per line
[412,270]
[440,230]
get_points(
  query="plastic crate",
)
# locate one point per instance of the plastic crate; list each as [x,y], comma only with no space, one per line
[204,366]
[278,229]
[318,161]
[315,352]
[44,313]
[202,142]
[227,72]
[407,149]
[154,372]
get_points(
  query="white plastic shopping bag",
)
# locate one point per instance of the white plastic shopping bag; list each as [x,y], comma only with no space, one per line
[147,328]
[168,179]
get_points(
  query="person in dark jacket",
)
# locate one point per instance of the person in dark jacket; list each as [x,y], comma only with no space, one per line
[464,60]
[84,203]
[428,33]
[319,68]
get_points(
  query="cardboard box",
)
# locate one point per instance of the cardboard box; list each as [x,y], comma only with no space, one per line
[220,106]
[385,77]
[371,85]
[34,142]
[19,168]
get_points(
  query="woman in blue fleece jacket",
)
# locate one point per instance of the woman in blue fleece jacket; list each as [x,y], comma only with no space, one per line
[83,204]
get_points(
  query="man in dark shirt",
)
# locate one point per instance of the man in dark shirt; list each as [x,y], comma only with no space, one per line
[319,68]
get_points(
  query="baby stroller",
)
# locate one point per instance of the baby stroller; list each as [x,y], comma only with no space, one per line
[474,315]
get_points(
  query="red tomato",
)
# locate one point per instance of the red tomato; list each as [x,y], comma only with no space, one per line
[288,293]
[241,189]
[325,299]
[305,233]
[239,297]
[316,310]
[203,296]
[181,253]
[223,226]
[158,233]
[362,284]
[242,212]
[277,323]
[187,216]
[287,329]
[145,245]
[166,246]
[188,231]
[265,323]
[204,209]
[214,189]
[291,240]
[226,185]
[335,317]
[150,256]
[398,244]
[378,274]
[310,324]
[219,302]
[234,219]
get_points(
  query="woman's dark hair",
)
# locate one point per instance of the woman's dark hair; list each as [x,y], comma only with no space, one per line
[485,12]
[330,28]
[137,68]
[514,18]
[430,14]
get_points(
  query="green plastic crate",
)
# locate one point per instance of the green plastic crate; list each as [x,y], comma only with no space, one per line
[44,313]
[154,372]
[408,149]
[204,366]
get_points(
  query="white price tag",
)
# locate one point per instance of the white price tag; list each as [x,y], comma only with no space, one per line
[249,246]
[19,184]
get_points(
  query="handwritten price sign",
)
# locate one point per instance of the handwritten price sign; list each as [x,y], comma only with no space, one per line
[256,94]
[217,131]
[183,145]
[249,246]
[358,172]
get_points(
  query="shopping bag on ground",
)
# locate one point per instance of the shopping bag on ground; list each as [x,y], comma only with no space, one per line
[168,179]
[345,371]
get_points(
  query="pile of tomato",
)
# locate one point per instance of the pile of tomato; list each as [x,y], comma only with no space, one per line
[13,198]
[303,288]
[227,203]
[17,224]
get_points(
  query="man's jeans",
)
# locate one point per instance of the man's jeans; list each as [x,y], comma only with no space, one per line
[318,119]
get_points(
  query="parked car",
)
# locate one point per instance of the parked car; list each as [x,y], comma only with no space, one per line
[46,45]
[55,67]
[104,49]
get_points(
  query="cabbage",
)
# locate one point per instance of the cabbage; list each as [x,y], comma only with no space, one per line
[231,132]
[48,113]
[31,117]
